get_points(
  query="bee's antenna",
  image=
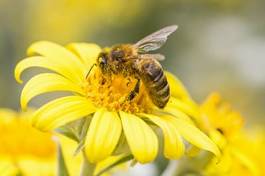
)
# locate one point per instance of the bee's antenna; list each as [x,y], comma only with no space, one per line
[90,70]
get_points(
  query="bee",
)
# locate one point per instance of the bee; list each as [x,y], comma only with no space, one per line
[133,60]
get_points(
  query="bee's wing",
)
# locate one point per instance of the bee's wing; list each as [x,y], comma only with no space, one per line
[158,57]
[155,40]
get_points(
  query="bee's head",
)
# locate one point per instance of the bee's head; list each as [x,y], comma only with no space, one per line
[117,54]
[102,61]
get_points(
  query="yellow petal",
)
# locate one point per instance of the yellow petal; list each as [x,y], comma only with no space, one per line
[141,138]
[46,82]
[173,145]
[87,52]
[245,160]
[193,151]
[73,162]
[7,115]
[8,168]
[193,135]
[36,166]
[187,107]
[39,61]
[103,135]
[61,111]
[108,162]
[221,167]
[179,114]
[60,55]
[176,87]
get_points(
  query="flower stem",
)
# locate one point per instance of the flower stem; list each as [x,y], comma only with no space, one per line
[87,167]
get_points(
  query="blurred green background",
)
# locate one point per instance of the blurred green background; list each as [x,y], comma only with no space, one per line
[219,46]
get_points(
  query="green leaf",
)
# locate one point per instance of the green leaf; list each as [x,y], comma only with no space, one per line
[83,127]
[80,147]
[75,130]
[68,132]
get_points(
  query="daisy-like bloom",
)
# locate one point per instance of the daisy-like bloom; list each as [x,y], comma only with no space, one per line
[224,125]
[103,100]
[24,150]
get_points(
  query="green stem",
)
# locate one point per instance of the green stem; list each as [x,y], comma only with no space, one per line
[87,167]
[62,168]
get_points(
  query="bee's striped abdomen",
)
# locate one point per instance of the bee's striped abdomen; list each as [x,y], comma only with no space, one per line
[156,83]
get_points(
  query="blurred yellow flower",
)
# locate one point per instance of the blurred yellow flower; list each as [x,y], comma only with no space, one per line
[225,127]
[242,156]
[217,115]
[104,103]
[250,146]
[24,150]
[80,18]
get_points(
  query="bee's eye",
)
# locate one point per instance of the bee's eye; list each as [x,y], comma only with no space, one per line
[102,60]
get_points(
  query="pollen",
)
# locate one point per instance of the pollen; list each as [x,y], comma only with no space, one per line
[112,91]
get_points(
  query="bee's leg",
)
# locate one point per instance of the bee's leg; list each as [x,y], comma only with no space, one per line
[90,70]
[135,91]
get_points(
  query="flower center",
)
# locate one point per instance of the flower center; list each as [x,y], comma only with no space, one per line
[112,92]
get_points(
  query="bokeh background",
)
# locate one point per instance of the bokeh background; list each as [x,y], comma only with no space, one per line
[219,46]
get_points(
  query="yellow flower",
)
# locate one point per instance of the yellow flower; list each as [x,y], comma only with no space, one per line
[242,156]
[249,146]
[24,150]
[102,100]
[30,152]
[81,18]
[219,115]
[225,127]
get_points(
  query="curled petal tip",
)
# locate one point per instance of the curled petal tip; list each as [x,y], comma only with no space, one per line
[17,76]
[19,80]
[24,107]
[32,48]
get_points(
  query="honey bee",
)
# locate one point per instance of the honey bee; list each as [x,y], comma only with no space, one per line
[132,60]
